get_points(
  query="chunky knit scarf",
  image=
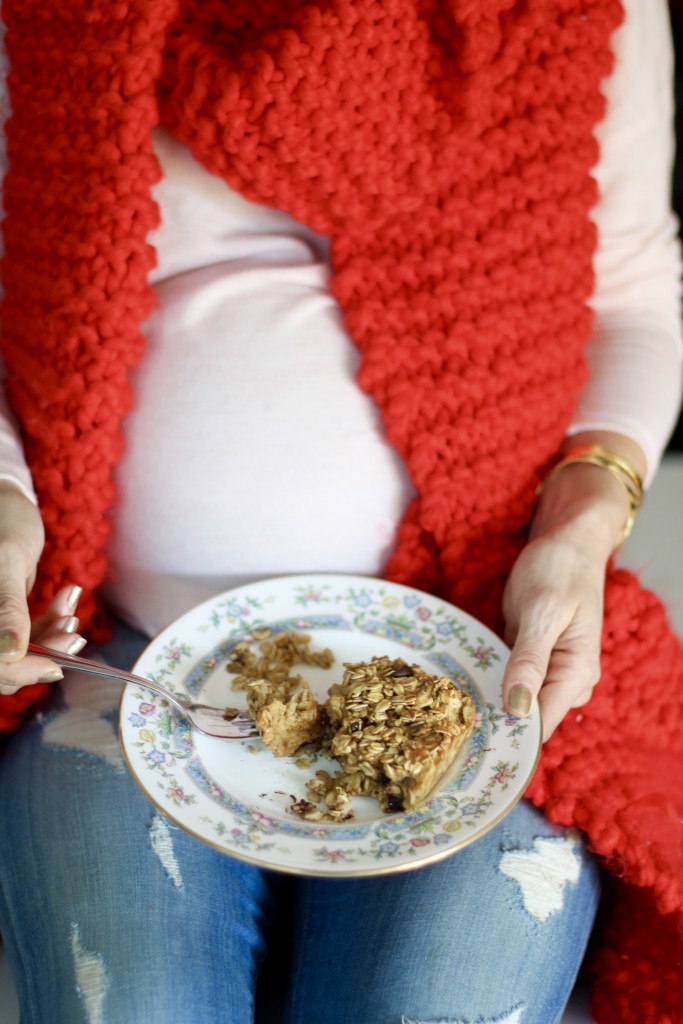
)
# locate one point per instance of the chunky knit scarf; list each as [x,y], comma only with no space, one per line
[445,146]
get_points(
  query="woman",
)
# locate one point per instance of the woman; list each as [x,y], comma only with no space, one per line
[446,154]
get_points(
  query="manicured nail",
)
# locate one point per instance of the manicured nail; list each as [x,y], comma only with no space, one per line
[52,675]
[519,700]
[70,625]
[9,642]
[76,645]
[73,597]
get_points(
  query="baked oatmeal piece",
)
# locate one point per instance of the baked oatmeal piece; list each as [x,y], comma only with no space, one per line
[279,700]
[285,724]
[395,730]
[263,691]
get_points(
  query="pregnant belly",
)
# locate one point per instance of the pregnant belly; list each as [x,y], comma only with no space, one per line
[250,451]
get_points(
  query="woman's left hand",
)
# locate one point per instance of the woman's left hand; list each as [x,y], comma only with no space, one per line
[553,622]
[553,601]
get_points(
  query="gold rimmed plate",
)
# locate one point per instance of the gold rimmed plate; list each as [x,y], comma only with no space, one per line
[236,796]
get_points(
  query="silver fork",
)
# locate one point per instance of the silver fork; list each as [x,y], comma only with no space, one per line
[206,719]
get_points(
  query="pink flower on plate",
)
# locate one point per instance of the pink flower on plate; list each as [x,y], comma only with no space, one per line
[423,613]
[176,793]
[261,818]
[420,842]
[146,709]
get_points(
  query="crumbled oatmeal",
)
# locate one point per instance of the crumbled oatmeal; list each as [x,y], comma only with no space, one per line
[286,725]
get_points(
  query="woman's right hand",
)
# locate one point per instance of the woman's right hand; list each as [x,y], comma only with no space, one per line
[21,542]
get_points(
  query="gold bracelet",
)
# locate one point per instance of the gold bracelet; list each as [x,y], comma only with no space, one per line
[617,465]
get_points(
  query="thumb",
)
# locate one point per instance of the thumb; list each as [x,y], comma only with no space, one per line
[15,622]
[526,669]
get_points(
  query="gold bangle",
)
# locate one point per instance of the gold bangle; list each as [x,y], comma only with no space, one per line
[617,465]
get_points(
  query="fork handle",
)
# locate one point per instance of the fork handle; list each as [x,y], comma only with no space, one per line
[96,668]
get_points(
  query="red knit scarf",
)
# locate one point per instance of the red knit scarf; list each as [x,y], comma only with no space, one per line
[446,147]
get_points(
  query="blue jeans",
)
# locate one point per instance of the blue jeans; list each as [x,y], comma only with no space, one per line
[111,915]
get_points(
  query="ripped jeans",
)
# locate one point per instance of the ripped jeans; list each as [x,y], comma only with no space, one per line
[111,915]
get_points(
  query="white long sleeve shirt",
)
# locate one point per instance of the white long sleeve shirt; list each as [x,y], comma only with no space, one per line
[252,452]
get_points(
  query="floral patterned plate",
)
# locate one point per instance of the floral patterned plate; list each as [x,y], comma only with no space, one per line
[235,795]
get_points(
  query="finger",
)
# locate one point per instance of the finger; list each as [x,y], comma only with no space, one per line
[61,608]
[573,679]
[15,622]
[46,626]
[66,600]
[67,643]
[554,706]
[527,666]
[28,671]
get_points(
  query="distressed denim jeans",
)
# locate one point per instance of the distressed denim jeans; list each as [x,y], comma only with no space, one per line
[111,915]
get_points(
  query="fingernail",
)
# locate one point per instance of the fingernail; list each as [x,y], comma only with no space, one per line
[73,597]
[70,625]
[9,642]
[76,645]
[52,675]
[519,700]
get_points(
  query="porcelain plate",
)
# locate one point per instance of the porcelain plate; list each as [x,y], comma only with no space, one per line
[235,795]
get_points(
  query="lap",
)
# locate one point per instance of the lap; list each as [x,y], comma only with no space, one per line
[494,933]
[108,912]
[112,915]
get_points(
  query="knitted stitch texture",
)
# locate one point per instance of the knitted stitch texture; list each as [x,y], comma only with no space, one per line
[446,147]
